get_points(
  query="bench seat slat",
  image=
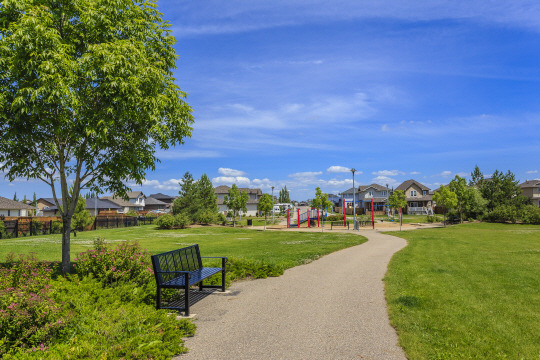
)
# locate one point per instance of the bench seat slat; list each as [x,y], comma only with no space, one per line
[196,276]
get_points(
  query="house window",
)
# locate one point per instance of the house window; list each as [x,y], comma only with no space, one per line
[371,193]
[384,193]
[413,192]
[424,192]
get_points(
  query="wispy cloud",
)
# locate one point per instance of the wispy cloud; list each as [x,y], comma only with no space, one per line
[388,172]
[338,169]
[230,172]
[532,172]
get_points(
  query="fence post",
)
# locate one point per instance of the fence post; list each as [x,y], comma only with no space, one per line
[17,228]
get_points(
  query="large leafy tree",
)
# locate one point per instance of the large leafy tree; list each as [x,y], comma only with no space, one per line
[398,200]
[236,201]
[464,195]
[265,205]
[87,95]
[446,199]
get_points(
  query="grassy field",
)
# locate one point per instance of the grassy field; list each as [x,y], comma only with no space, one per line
[469,291]
[283,248]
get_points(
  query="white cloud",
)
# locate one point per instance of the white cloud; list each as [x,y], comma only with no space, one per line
[532,172]
[383,180]
[444,173]
[415,173]
[338,169]
[388,173]
[229,180]
[231,172]
[385,128]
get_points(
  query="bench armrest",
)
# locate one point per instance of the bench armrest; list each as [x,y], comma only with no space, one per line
[214,257]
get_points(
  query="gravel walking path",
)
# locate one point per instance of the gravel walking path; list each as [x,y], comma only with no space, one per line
[332,308]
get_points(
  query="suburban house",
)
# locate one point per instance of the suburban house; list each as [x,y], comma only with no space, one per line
[419,198]
[42,203]
[14,208]
[364,195]
[531,189]
[253,200]
[92,205]
[137,198]
[168,200]
[124,206]
[153,204]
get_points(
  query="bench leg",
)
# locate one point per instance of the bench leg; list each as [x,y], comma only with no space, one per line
[158,298]
[223,275]
[186,296]
[201,285]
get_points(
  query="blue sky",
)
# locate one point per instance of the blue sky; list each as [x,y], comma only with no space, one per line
[296,92]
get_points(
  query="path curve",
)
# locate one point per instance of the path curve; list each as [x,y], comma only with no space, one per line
[332,308]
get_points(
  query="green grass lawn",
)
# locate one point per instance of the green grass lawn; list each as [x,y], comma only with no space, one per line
[469,291]
[284,248]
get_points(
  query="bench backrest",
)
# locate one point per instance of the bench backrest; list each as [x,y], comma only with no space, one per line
[185,259]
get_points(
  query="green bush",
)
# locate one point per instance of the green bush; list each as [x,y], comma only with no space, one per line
[124,263]
[181,221]
[503,213]
[29,315]
[36,226]
[334,217]
[530,214]
[56,227]
[220,218]
[206,217]
[165,221]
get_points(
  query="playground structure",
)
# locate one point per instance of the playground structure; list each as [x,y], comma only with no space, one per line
[309,216]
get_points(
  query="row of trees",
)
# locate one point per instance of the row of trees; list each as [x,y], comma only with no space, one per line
[497,199]
[196,200]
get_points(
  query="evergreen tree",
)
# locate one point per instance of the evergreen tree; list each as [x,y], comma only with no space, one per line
[284,195]
[206,197]
[24,199]
[15,197]
[34,200]
[186,202]
[476,177]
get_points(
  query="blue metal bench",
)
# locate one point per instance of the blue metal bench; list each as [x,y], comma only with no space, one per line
[182,268]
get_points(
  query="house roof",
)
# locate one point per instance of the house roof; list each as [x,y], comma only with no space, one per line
[362,188]
[160,196]
[48,200]
[8,204]
[530,184]
[153,201]
[90,204]
[406,184]
[249,202]
[134,194]
[119,201]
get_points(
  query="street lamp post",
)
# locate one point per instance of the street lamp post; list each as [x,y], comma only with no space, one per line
[355,227]
[272,206]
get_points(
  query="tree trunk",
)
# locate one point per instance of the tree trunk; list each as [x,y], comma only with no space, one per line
[264,221]
[66,233]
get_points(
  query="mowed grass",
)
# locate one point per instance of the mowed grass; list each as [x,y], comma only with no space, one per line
[469,291]
[278,247]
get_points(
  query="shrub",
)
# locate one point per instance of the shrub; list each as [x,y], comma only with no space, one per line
[56,227]
[111,325]
[206,217]
[181,221]
[36,226]
[334,217]
[220,218]
[132,213]
[29,315]
[165,222]
[125,263]
[2,228]
[503,213]
[530,214]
